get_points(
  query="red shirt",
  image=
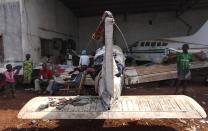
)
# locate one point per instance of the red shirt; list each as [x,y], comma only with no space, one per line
[46,73]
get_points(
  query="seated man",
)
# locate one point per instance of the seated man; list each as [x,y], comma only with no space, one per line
[45,76]
[56,79]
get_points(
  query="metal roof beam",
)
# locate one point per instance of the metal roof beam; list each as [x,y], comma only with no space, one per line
[186,5]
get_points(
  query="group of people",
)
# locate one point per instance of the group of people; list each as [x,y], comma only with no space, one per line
[47,77]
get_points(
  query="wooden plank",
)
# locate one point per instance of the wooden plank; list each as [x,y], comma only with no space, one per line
[152,105]
[142,74]
[124,105]
[117,106]
[143,104]
[140,104]
[158,77]
[196,106]
[174,104]
[157,72]
[157,106]
[93,106]
[146,107]
[180,105]
[169,105]
[130,105]
[187,105]
[80,108]
[135,104]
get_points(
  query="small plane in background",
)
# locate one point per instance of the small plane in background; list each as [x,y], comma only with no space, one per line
[158,49]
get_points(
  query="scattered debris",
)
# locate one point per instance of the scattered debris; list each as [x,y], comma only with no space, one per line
[33,122]
[147,123]
[192,128]
[62,102]
[19,127]
[203,121]
[46,120]
[124,124]
[182,121]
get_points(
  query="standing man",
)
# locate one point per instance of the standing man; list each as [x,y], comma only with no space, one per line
[184,74]
[27,69]
[84,60]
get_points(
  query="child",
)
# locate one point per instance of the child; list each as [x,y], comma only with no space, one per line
[10,78]
[184,73]
[27,69]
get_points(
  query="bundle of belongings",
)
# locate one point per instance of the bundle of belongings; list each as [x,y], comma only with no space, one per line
[109,94]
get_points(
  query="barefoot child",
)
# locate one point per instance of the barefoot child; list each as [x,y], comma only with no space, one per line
[10,79]
[184,74]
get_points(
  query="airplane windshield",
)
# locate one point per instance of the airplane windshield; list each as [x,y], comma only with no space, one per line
[142,44]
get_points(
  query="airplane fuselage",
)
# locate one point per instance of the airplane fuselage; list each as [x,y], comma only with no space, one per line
[156,51]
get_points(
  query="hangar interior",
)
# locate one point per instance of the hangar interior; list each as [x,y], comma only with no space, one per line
[60,24]
[140,19]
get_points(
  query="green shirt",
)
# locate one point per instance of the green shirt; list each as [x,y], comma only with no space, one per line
[183,60]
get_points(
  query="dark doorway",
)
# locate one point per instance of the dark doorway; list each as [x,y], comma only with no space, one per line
[45,46]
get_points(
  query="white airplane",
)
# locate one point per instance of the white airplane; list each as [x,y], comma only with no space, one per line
[156,50]
[109,104]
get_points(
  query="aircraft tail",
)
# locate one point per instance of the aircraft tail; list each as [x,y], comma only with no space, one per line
[200,37]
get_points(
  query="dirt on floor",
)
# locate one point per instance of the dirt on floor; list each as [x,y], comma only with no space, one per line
[10,107]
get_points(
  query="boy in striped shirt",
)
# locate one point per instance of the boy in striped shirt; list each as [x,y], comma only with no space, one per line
[184,74]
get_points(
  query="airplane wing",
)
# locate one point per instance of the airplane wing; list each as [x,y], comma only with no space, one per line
[126,107]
